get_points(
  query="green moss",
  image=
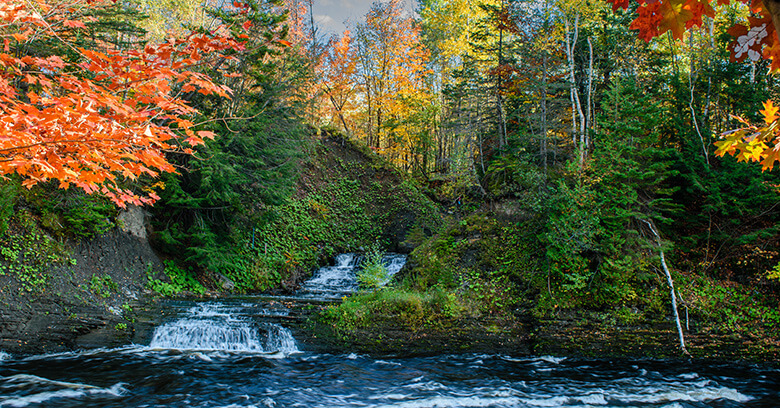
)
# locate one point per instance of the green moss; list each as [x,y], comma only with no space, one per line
[27,253]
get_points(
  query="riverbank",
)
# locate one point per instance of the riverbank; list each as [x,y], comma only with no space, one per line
[576,338]
[62,295]
[480,279]
[479,284]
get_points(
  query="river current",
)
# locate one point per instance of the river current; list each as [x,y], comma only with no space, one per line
[238,353]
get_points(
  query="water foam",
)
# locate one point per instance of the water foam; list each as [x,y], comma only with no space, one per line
[217,327]
[680,393]
[390,363]
[394,264]
[455,401]
[427,386]
[194,334]
[67,390]
[551,359]
[333,282]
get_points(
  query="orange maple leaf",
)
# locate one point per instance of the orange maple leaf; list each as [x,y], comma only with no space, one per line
[769,112]
[698,9]
[74,24]
[674,17]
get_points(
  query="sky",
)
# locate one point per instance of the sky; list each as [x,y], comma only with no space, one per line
[331,15]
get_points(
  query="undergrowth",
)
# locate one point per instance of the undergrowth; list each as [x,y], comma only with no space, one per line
[403,307]
[27,252]
[180,280]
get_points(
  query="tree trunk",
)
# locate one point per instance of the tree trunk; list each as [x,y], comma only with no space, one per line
[500,96]
[576,106]
[692,86]
[669,280]
[543,147]
[591,108]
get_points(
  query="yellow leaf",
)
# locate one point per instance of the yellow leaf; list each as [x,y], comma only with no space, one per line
[769,112]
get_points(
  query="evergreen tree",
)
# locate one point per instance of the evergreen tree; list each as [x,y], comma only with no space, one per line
[208,213]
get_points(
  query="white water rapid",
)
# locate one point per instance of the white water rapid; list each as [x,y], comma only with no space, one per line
[245,327]
[334,282]
[221,327]
[237,353]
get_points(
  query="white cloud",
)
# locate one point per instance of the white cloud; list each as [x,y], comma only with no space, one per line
[335,15]
[324,20]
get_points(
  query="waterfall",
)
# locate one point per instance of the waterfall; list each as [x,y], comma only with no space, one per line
[394,264]
[333,282]
[218,327]
[245,327]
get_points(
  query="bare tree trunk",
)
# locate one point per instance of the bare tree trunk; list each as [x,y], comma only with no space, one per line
[543,147]
[591,108]
[572,84]
[671,288]
[708,101]
[313,28]
[576,106]
[369,106]
[340,111]
[752,72]
[691,86]
[499,86]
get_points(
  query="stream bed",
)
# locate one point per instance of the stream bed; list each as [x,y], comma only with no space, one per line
[241,353]
[142,377]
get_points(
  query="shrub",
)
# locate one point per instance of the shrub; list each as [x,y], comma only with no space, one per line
[373,272]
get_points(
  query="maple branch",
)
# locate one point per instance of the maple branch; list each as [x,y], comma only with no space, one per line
[51,30]
[69,141]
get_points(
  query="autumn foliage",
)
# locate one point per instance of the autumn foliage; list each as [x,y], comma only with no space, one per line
[656,17]
[95,118]
[755,41]
[757,143]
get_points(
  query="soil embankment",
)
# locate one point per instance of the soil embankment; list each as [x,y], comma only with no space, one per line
[95,299]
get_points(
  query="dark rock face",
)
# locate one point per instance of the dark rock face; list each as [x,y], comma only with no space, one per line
[398,230]
[100,301]
[386,338]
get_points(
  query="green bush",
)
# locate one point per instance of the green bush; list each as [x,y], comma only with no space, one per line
[412,309]
[72,212]
[180,280]
[9,191]
[373,273]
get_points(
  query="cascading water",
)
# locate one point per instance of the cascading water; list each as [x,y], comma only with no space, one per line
[334,282]
[220,327]
[394,264]
[231,358]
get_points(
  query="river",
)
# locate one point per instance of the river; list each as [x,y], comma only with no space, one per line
[238,353]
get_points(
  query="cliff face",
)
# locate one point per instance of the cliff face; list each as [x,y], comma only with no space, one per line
[94,298]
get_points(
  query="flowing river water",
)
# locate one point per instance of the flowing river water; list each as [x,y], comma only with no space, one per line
[238,353]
